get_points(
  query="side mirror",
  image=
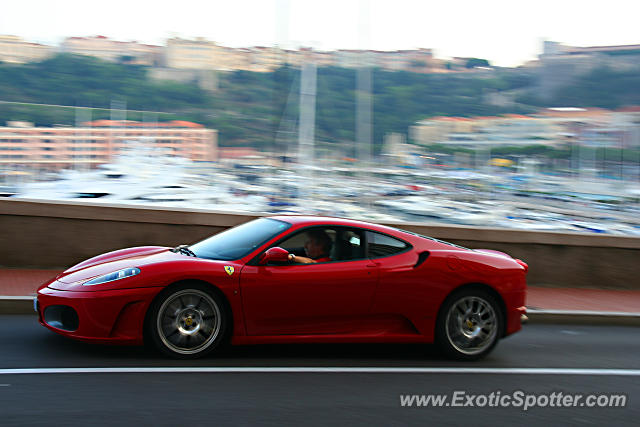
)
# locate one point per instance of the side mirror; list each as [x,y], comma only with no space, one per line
[274,254]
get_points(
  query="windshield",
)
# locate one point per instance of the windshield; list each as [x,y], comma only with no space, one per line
[239,241]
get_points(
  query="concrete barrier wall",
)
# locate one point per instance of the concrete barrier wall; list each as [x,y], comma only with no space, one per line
[35,234]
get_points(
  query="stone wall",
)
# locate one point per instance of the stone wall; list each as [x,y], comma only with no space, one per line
[35,234]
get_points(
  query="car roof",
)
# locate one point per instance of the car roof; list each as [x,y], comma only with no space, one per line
[308,220]
[326,220]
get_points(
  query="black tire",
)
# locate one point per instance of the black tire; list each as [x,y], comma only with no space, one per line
[469,324]
[188,322]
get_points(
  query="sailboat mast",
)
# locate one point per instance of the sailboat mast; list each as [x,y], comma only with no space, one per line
[364,86]
[363,113]
[306,132]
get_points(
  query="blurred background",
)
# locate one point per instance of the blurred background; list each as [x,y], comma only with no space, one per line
[479,115]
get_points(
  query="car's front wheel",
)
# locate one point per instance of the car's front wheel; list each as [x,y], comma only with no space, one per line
[469,324]
[188,322]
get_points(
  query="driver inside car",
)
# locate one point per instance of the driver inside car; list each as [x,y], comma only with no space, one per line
[317,248]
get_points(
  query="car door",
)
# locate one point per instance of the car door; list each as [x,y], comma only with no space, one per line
[303,299]
[401,294]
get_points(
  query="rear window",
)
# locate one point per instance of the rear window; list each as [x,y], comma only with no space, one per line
[432,238]
[380,245]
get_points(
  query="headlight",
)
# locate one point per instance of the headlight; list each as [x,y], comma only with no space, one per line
[116,275]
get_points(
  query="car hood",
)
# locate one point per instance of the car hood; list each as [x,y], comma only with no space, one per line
[114,261]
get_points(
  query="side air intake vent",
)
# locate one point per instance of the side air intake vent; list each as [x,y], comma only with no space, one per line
[421,258]
[61,317]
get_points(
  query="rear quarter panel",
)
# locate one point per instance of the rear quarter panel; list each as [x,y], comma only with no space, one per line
[417,293]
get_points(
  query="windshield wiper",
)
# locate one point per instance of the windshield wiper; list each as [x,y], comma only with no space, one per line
[184,249]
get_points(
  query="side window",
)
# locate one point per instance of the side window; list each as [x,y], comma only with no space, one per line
[349,245]
[380,245]
[296,244]
[312,242]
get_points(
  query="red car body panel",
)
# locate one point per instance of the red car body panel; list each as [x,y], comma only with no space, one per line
[309,300]
[394,298]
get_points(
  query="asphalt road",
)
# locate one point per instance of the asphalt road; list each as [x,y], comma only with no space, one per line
[313,398]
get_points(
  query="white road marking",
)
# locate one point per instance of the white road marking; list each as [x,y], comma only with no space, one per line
[5,385]
[583,312]
[569,332]
[336,370]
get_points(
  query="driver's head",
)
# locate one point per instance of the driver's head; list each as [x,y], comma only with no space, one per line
[318,244]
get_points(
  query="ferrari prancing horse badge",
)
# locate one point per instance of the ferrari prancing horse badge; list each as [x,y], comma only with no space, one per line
[228,269]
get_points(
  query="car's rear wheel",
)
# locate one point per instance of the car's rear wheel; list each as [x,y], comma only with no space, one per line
[469,324]
[188,322]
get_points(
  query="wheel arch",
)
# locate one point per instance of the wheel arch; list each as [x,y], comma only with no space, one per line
[483,287]
[183,283]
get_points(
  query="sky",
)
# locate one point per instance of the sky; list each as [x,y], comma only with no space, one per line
[507,33]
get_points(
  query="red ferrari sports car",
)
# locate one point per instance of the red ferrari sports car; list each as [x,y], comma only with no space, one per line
[291,279]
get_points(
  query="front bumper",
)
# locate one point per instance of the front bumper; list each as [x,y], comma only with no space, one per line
[108,317]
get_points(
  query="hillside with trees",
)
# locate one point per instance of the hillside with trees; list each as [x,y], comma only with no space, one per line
[261,109]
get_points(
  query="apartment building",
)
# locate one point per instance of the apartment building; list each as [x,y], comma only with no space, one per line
[550,126]
[197,54]
[113,50]
[15,50]
[416,60]
[200,54]
[435,130]
[510,129]
[560,64]
[264,59]
[42,148]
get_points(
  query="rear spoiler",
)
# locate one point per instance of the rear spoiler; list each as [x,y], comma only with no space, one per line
[519,261]
[523,264]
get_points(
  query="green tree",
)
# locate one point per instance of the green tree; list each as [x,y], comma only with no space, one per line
[477,62]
